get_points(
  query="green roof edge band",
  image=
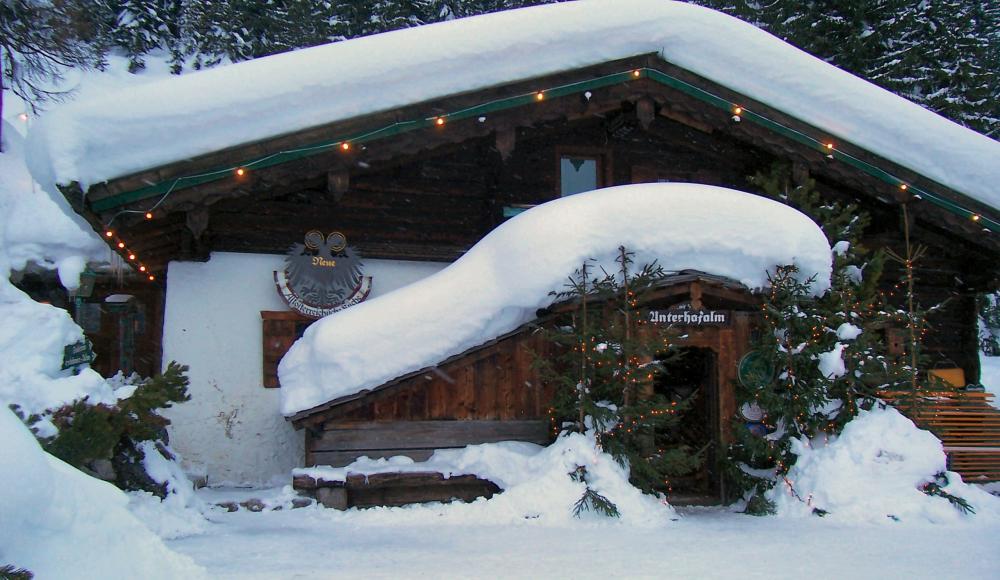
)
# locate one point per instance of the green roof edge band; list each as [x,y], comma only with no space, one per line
[164,188]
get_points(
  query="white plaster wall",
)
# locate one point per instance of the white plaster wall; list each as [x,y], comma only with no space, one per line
[231,428]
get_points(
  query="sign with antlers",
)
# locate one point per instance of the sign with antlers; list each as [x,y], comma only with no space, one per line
[322,275]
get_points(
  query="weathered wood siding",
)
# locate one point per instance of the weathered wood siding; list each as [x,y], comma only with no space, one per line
[496,382]
[341,442]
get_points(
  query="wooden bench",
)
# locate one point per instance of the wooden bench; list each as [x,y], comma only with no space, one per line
[394,489]
[966,423]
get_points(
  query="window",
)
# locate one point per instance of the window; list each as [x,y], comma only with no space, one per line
[280,330]
[577,174]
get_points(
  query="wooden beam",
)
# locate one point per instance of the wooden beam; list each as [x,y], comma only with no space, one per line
[337,183]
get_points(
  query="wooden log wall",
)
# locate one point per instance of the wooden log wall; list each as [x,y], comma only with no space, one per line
[495,382]
[341,442]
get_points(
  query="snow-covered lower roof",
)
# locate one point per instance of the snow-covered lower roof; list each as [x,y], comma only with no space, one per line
[504,279]
[90,141]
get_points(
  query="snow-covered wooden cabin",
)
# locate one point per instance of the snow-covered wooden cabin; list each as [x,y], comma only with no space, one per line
[415,144]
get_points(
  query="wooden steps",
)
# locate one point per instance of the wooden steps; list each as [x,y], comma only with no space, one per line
[966,423]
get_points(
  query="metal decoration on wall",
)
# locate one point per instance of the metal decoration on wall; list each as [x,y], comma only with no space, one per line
[322,275]
[755,370]
[751,412]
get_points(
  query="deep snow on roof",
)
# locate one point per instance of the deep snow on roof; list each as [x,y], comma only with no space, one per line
[504,279]
[179,118]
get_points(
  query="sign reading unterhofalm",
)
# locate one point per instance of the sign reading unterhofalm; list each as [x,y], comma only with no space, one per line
[322,276]
[689,317]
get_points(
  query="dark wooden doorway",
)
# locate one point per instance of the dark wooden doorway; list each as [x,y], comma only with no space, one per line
[691,374]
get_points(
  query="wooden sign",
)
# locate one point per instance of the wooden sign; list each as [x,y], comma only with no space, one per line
[690,317]
[78,353]
[322,276]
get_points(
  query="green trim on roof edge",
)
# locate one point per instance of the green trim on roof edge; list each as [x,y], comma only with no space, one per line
[164,188]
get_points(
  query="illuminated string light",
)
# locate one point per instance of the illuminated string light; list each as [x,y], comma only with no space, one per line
[513,101]
[974,217]
[903,186]
[241,171]
[109,234]
[439,121]
[121,245]
[152,277]
[142,268]
[131,256]
[149,215]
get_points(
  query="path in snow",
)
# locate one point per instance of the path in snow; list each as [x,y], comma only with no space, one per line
[705,543]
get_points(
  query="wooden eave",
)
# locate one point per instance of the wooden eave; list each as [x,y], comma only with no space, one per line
[673,287]
[671,102]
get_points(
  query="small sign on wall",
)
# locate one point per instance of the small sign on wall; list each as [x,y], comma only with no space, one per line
[690,317]
[322,275]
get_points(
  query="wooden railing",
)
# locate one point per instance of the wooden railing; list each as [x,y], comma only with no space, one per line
[965,421]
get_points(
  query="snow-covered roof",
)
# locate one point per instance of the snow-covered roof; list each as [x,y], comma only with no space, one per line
[504,279]
[93,140]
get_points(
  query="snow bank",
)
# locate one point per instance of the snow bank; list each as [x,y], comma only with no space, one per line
[60,523]
[32,336]
[501,282]
[873,472]
[177,515]
[536,483]
[95,139]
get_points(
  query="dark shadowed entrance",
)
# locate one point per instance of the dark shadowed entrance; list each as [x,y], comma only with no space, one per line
[692,376]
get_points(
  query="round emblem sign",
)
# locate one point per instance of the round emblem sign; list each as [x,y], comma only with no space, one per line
[322,275]
[754,370]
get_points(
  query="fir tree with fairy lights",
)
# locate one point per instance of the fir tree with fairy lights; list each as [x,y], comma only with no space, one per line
[824,355]
[608,358]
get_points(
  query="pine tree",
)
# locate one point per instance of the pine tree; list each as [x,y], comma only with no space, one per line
[89,433]
[827,352]
[608,362]
[39,42]
[944,55]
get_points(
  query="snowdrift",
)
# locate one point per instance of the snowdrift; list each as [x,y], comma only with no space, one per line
[32,335]
[60,523]
[503,280]
[873,472]
[537,487]
[95,139]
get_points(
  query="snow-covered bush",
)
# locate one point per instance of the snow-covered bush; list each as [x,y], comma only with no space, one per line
[114,436]
[880,468]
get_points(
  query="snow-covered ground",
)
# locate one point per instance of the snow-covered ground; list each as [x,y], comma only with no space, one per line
[702,543]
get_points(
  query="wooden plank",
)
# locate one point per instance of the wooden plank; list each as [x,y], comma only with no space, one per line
[393,489]
[426,434]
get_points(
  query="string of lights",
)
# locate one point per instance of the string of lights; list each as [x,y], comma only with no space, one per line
[161,191]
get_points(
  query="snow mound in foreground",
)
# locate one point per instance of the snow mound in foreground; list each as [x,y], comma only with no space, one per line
[177,515]
[874,472]
[504,279]
[536,484]
[60,523]
[32,335]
